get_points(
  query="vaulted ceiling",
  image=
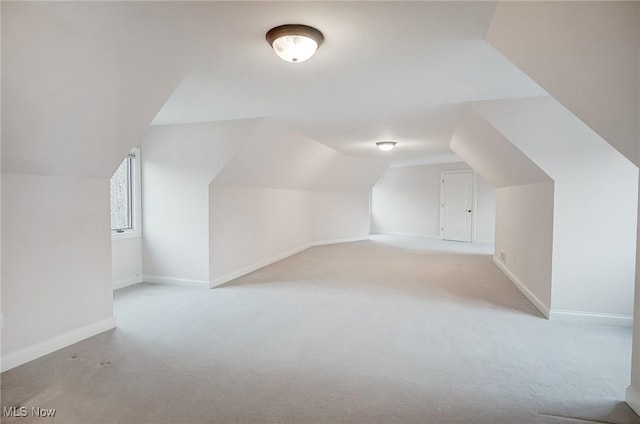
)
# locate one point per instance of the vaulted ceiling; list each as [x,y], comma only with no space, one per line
[85,79]
[387,70]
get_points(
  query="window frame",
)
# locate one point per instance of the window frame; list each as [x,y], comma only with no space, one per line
[135,199]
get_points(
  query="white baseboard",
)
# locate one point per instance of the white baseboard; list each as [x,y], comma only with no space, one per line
[342,240]
[256,266]
[158,279]
[394,233]
[520,285]
[591,318]
[126,282]
[22,356]
[565,316]
[632,397]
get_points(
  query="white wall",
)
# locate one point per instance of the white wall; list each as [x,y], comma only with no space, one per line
[126,262]
[71,122]
[595,218]
[1,309]
[633,391]
[252,226]
[56,274]
[594,258]
[568,46]
[524,238]
[523,207]
[178,163]
[282,192]
[202,180]
[485,211]
[340,215]
[175,217]
[406,200]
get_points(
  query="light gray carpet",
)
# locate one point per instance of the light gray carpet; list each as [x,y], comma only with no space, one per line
[392,330]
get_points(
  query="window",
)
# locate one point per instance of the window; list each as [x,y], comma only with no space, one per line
[121,202]
[125,197]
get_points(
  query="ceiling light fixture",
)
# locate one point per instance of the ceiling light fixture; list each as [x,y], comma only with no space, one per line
[385,146]
[294,43]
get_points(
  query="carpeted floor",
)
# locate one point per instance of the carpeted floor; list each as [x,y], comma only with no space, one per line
[392,330]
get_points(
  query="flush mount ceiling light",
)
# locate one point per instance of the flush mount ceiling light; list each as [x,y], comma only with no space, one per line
[294,43]
[385,146]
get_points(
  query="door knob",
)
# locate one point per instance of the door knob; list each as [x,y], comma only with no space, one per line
[468,210]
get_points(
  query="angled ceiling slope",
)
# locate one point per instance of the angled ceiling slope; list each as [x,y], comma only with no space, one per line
[555,139]
[405,80]
[277,157]
[493,156]
[196,151]
[584,54]
[78,104]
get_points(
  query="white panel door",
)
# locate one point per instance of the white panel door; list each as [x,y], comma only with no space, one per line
[457,200]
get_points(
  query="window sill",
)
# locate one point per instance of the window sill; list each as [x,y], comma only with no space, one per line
[125,235]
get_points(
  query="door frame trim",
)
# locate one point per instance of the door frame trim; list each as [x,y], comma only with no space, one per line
[473,200]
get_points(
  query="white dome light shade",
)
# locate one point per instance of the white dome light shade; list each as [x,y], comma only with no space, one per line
[294,43]
[294,48]
[385,146]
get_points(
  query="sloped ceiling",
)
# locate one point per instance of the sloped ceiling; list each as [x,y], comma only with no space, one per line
[555,139]
[387,70]
[74,105]
[584,54]
[84,79]
[195,151]
[490,154]
[275,156]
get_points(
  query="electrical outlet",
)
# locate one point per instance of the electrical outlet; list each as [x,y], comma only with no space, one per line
[503,256]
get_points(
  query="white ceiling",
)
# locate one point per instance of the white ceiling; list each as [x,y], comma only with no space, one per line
[387,70]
